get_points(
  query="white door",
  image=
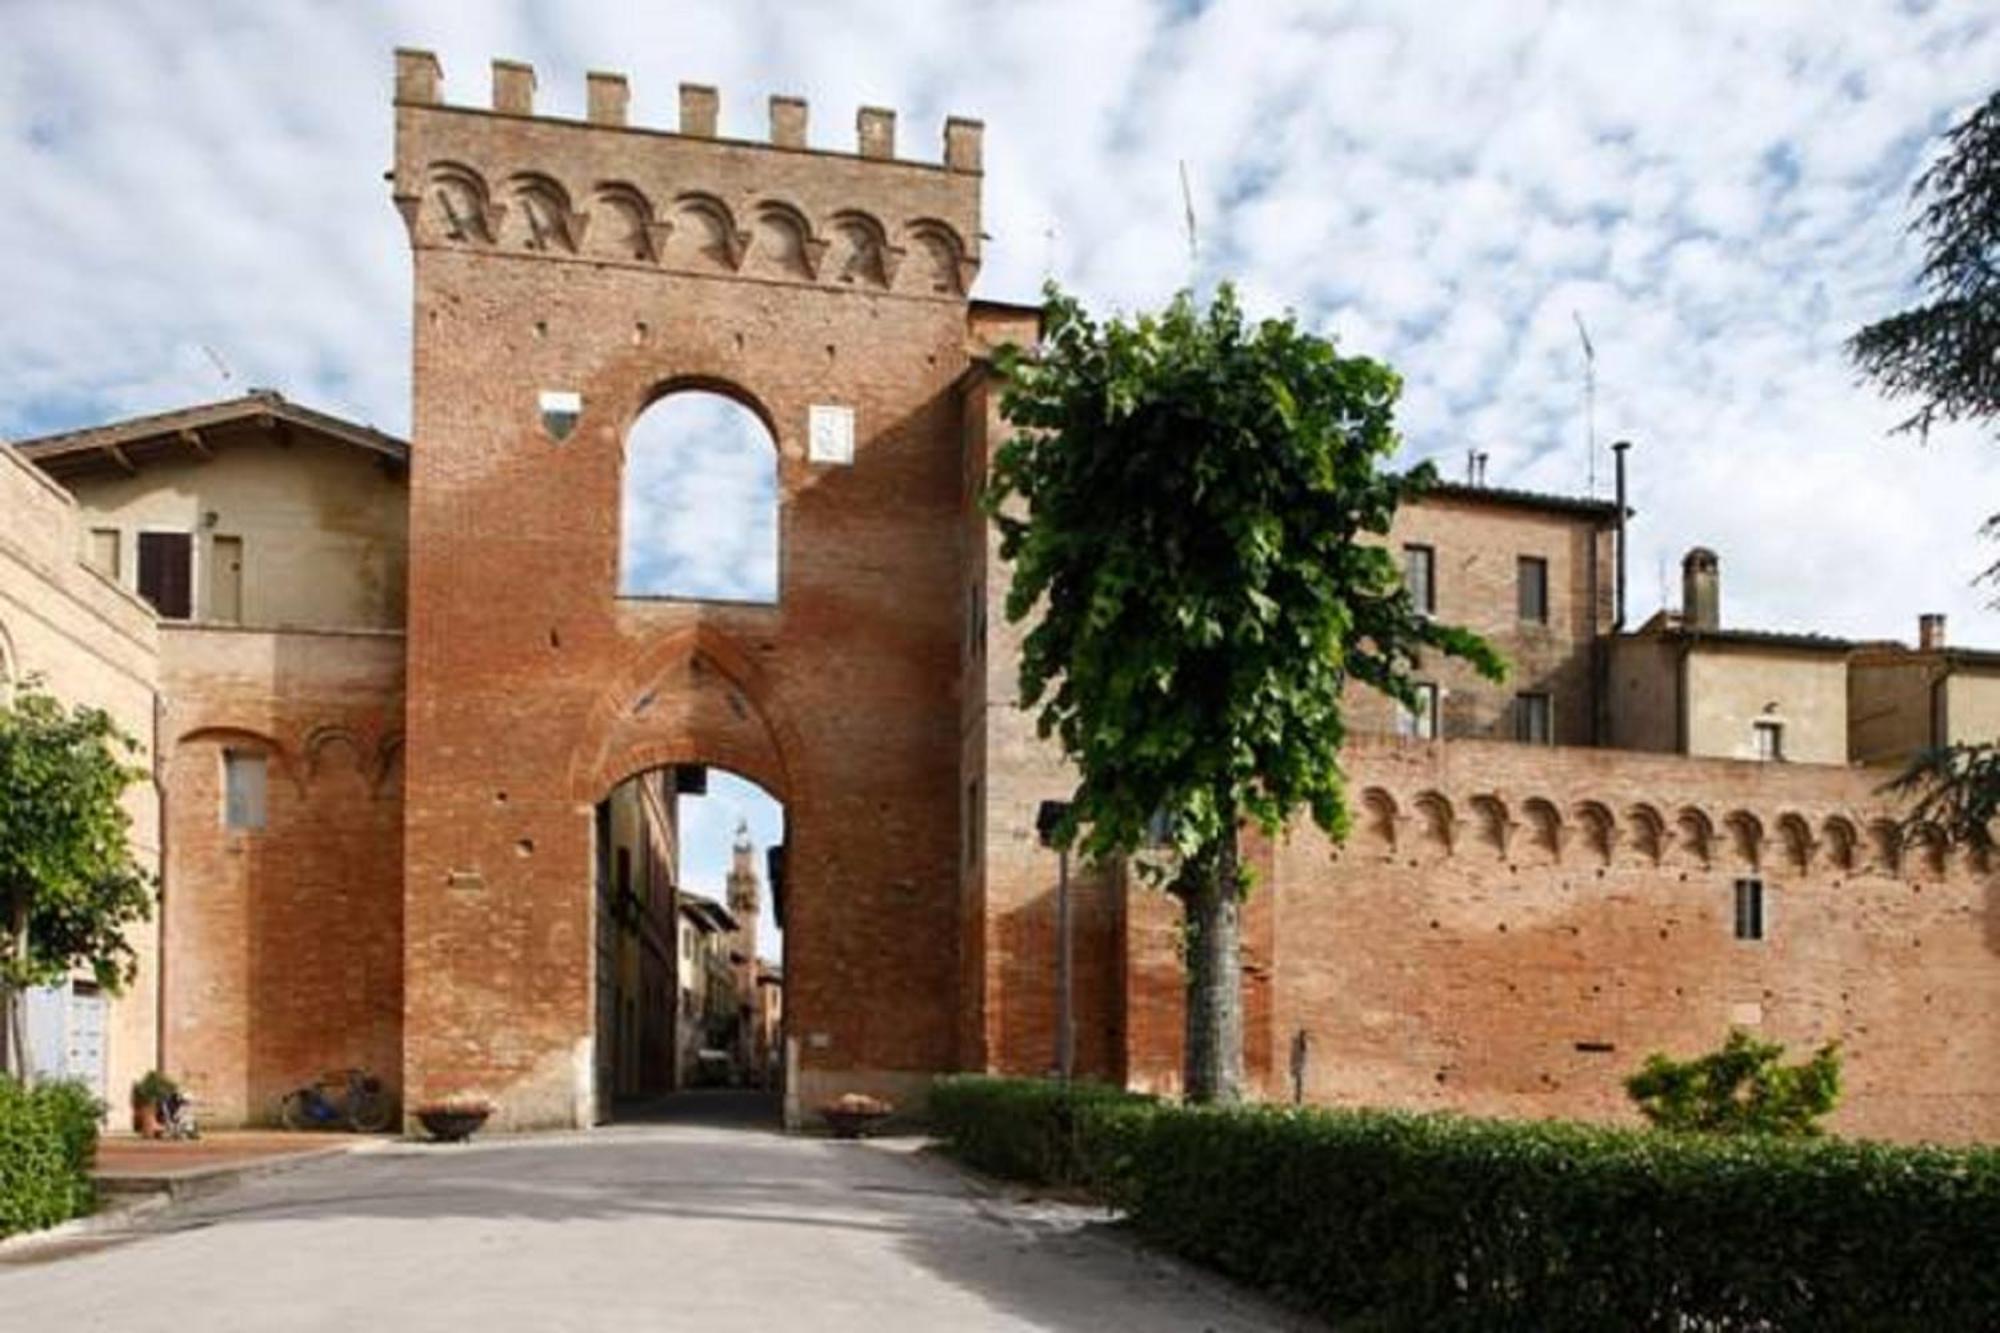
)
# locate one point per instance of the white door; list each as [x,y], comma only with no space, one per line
[85,1056]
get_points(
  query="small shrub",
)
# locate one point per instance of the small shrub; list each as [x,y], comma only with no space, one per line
[1739,1089]
[154,1087]
[48,1140]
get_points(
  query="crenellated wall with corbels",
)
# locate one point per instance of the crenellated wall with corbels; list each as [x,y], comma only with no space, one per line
[1510,930]
[688,201]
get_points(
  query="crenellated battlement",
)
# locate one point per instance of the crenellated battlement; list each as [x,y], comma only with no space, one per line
[506,179]
[420,82]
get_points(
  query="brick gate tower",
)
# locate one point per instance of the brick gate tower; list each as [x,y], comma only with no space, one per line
[567,275]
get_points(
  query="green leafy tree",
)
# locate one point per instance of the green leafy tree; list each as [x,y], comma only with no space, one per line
[68,884]
[1740,1089]
[1943,354]
[1186,503]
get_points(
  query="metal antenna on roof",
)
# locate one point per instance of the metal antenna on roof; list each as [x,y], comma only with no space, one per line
[1589,402]
[1187,204]
[221,366]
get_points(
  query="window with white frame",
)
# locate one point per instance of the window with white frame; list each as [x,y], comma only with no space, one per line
[1419,722]
[1770,738]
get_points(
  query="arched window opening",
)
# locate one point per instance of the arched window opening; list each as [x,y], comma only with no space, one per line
[699,510]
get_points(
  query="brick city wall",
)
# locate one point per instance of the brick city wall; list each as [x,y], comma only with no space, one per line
[1510,930]
[284,945]
[620,264]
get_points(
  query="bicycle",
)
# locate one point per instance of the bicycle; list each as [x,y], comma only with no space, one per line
[176,1115]
[349,1098]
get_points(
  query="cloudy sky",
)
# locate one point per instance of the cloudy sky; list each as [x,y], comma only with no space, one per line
[1717,190]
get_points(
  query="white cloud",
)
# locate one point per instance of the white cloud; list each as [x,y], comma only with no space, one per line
[1719,190]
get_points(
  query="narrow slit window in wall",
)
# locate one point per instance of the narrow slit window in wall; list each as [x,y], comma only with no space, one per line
[1749,909]
[1420,576]
[244,774]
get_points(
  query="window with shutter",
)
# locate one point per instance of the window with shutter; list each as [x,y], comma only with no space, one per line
[166,573]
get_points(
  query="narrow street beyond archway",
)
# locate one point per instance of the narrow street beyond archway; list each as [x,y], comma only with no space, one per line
[698,1226]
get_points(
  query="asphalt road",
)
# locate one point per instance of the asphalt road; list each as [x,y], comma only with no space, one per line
[664,1226]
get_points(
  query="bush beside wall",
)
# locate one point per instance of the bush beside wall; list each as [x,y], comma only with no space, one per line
[1382,1220]
[48,1144]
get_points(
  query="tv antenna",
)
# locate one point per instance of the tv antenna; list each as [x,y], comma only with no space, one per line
[215,359]
[1589,403]
[1187,205]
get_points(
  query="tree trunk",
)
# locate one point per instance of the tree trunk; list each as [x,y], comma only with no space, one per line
[13,1000]
[1213,906]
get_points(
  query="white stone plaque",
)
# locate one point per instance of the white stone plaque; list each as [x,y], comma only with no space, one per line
[830,434]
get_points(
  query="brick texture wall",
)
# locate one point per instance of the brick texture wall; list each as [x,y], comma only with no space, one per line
[1510,931]
[283,944]
[784,277]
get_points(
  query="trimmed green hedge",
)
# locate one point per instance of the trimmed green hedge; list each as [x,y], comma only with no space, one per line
[1022,1129]
[48,1143]
[1400,1221]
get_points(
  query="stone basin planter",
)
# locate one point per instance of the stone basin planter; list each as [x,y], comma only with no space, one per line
[452,1124]
[854,1115]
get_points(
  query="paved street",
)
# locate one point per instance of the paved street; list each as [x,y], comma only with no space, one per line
[663,1226]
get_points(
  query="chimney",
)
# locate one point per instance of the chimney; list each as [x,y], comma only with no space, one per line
[1701,590]
[1930,631]
[1618,606]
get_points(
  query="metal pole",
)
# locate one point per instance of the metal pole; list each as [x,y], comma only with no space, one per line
[1065,1021]
[1618,607]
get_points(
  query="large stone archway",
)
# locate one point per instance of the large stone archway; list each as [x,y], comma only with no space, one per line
[562,264]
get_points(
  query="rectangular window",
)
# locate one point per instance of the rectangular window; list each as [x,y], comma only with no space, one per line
[243,774]
[1420,576]
[1420,723]
[1532,721]
[103,552]
[166,573]
[1749,909]
[1532,580]
[1770,741]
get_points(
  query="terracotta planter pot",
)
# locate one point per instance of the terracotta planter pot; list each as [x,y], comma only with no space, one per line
[852,1124]
[452,1124]
[145,1118]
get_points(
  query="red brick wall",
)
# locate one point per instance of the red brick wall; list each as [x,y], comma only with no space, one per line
[533,688]
[283,946]
[1433,967]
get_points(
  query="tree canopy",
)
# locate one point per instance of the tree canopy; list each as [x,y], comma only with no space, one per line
[68,884]
[1943,354]
[1194,507]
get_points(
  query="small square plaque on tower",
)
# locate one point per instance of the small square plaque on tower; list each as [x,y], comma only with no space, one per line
[830,434]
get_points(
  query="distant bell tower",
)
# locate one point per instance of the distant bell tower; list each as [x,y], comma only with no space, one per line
[744,902]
